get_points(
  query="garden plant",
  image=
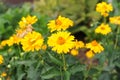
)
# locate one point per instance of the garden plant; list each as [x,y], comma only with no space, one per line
[41,48]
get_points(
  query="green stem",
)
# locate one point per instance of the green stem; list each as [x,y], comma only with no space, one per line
[19,49]
[116,40]
[64,62]
[104,20]
[61,78]
[87,72]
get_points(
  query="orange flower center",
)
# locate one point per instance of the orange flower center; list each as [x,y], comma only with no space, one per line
[60,40]
[94,43]
[58,22]
[103,28]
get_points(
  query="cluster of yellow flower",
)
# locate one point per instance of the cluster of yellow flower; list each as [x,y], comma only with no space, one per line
[104,8]
[29,39]
[104,28]
[63,42]
[60,39]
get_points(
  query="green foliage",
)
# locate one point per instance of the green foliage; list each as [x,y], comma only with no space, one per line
[10,18]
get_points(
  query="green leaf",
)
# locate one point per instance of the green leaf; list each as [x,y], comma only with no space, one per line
[76,68]
[55,60]
[32,74]
[20,77]
[50,73]
[105,76]
[25,62]
[67,75]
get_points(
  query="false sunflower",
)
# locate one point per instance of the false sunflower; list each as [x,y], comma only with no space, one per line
[95,46]
[61,23]
[25,21]
[103,29]
[104,8]
[61,42]
[32,41]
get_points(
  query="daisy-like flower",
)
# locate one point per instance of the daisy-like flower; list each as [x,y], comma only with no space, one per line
[32,41]
[103,29]
[89,54]
[95,46]
[29,20]
[79,44]
[61,23]
[104,8]
[1,59]
[115,20]
[61,42]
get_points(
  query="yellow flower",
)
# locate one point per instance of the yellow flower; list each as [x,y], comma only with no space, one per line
[61,42]
[89,54]
[23,23]
[32,41]
[95,46]
[29,20]
[74,52]
[104,8]
[4,74]
[103,29]
[61,23]
[1,59]
[12,40]
[115,20]
[4,43]
[79,44]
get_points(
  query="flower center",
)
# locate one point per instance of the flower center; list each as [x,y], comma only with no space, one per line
[58,22]
[60,40]
[94,43]
[103,28]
